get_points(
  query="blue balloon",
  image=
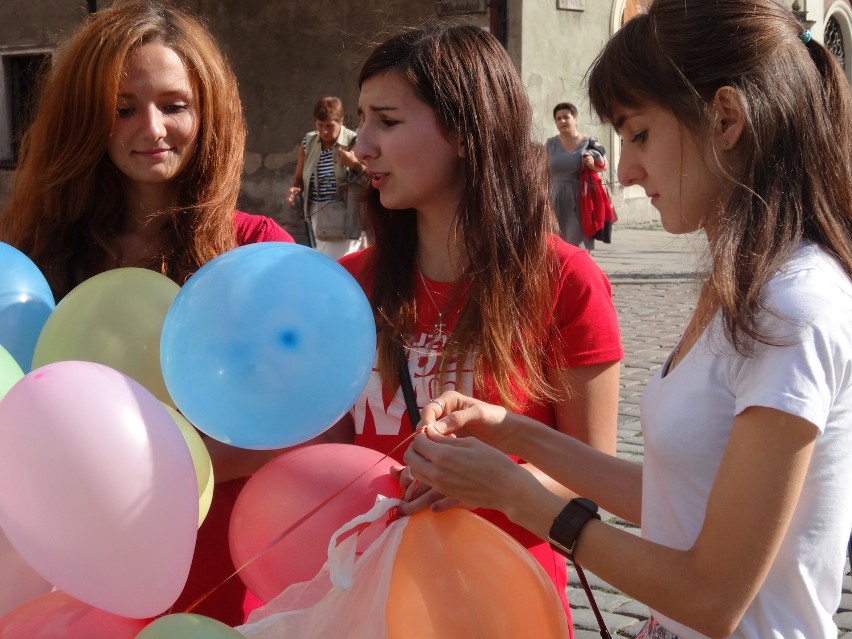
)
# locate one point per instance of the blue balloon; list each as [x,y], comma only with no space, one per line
[268,345]
[26,301]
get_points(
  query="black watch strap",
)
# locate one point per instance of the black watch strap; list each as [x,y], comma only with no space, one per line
[568,524]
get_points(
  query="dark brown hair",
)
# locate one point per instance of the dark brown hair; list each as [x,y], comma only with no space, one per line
[68,201]
[467,78]
[796,180]
[566,106]
[329,108]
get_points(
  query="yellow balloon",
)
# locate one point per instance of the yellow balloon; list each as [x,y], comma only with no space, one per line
[200,459]
[10,372]
[114,318]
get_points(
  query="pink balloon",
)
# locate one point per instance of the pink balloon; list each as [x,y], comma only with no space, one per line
[58,615]
[288,489]
[18,581]
[97,487]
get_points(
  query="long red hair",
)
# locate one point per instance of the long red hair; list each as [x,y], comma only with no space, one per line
[67,205]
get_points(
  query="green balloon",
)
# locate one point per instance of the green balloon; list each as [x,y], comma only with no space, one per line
[10,372]
[187,626]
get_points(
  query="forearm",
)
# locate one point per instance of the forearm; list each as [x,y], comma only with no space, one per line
[665,579]
[613,483]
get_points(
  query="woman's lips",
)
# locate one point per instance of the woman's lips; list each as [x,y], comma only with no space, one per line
[377,180]
[153,154]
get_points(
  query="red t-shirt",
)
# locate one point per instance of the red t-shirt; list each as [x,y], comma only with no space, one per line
[251,229]
[586,333]
[230,602]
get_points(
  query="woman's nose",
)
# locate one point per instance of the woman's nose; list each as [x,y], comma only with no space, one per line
[364,145]
[629,170]
[154,122]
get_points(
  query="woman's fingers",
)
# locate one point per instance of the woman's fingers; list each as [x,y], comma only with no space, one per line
[462,469]
[422,501]
[451,411]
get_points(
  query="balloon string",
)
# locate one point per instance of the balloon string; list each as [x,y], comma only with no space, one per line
[393,514]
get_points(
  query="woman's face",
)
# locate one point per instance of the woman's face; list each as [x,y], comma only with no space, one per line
[412,160]
[565,121]
[328,131]
[156,122]
[659,155]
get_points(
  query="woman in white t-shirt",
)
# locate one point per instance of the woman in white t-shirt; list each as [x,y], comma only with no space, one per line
[737,123]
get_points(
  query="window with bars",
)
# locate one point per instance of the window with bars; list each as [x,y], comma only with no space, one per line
[20,75]
[833,39]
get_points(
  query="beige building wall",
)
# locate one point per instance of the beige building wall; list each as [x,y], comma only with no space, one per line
[557,48]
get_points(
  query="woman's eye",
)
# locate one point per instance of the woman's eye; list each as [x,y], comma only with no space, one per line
[124,112]
[175,108]
[640,137]
[389,123]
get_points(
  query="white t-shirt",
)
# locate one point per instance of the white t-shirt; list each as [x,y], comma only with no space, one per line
[687,417]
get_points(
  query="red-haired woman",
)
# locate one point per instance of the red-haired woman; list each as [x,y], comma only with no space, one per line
[134,158]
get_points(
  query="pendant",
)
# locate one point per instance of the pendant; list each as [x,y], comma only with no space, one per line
[437,338]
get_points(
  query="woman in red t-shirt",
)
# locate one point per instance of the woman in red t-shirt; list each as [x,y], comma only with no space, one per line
[470,288]
[134,158]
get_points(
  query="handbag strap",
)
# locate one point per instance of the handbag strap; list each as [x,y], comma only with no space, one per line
[582,575]
[405,383]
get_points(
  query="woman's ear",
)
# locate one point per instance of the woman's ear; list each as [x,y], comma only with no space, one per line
[730,117]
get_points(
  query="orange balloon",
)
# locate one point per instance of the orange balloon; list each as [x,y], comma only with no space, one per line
[457,575]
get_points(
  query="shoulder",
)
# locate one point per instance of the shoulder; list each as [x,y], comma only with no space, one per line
[575,263]
[811,276]
[356,263]
[347,136]
[359,265]
[585,315]
[251,229]
[808,296]
[805,369]
[578,278]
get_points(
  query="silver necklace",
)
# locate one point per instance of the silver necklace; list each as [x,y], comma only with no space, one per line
[437,335]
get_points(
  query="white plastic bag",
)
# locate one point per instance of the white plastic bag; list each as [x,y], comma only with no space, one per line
[347,598]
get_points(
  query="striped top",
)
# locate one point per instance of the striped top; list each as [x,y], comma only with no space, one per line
[322,187]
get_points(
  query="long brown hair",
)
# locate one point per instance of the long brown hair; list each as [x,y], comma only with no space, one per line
[68,205]
[796,182]
[467,78]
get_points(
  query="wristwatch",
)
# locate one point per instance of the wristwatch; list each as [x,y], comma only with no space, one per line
[568,524]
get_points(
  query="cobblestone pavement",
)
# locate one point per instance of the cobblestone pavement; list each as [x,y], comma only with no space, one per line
[653,309]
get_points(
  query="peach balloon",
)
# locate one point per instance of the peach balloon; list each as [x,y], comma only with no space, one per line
[459,576]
